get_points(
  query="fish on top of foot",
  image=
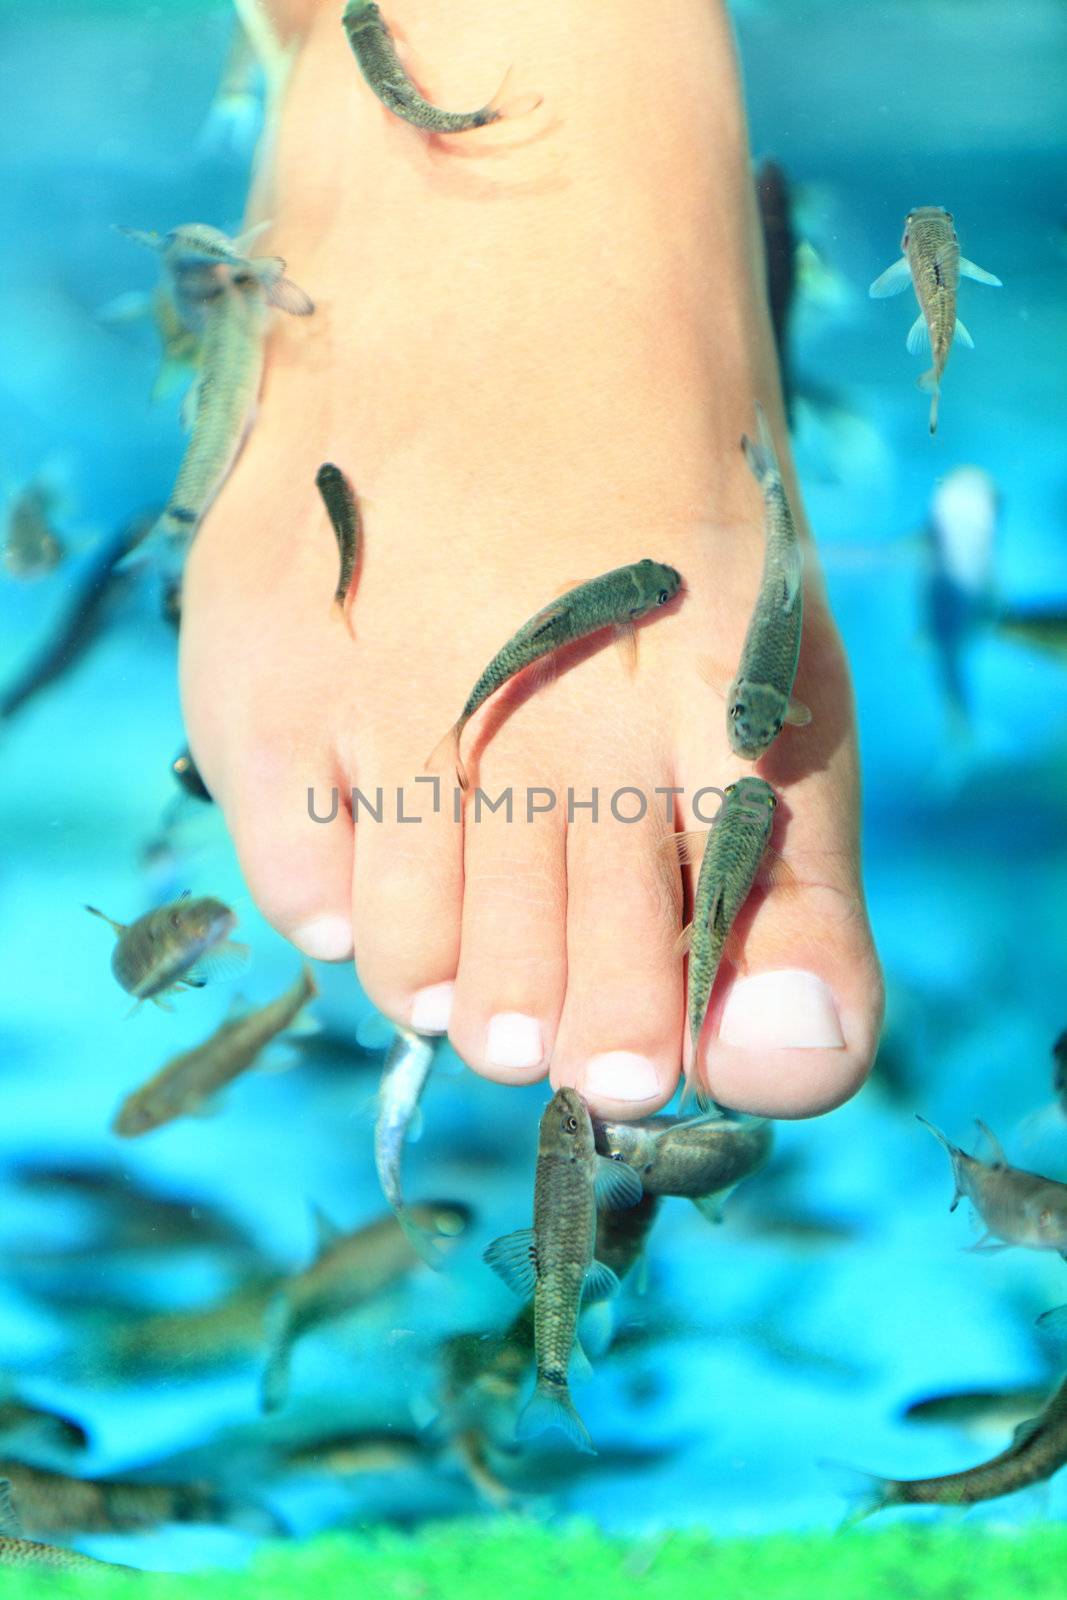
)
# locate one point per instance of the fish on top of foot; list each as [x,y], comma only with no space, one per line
[191,1080]
[759,701]
[617,599]
[931,262]
[554,1263]
[349,1271]
[1016,1206]
[180,945]
[731,854]
[384,74]
[339,499]
[700,1158]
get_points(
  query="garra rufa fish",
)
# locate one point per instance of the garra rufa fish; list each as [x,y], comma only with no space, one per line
[1017,1207]
[177,946]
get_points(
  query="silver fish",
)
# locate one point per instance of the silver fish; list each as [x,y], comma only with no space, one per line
[932,264]
[1017,1207]
[404,1077]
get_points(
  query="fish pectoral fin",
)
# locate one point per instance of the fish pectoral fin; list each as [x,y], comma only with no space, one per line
[9,1517]
[281,292]
[684,942]
[513,1258]
[775,874]
[626,644]
[616,1187]
[157,1000]
[918,337]
[797,714]
[226,961]
[710,1206]
[892,281]
[580,1365]
[979,274]
[1025,1431]
[685,849]
[327,1232]
[963,335]
[986,1246]
[997,1151]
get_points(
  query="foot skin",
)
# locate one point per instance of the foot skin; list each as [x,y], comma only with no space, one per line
[535,350]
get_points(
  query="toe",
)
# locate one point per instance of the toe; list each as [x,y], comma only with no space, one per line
[407,891]
[620,1033]
[512,968]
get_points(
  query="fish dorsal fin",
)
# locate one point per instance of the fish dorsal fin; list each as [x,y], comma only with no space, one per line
[792,577]
[996,1149]
[327,1232]
[892,281]
[546,620]
[514,1260]
[616,1185]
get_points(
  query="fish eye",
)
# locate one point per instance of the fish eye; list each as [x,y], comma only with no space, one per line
[737,710]
[175,920]
[572,1124]
[663,596]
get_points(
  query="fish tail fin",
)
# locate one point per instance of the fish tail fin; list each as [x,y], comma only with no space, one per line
[760,453]
[930,385]
[864,1492]
[166,541]
[281,292]
[500,107]
[953,1152]
[551,1406]
[274,1386]
[426,1244]
[446,752]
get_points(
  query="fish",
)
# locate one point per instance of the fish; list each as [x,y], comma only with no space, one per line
[1040,627]
[404,1077]
[483,1374]
[616,599]
[32,547]
[357,1455]
[960,534]
[349,1271]
[187,776]
[372,45]
[932,264]
[979,1411]
[18,1552]
[48,1503]
[341,508]
[553,1262]
[759,701]
[192,1339]
[225,296]
[779,259]
[1038,1450]
[91,605]
[732,854]
[1017,1207]
[701,1158]
[192,1079]
[177,946]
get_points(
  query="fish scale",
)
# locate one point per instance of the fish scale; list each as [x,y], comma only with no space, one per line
[933,255]
[384,74]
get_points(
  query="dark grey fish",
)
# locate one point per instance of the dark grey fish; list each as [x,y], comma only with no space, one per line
[187,777]
[178,946]
[49,1503]
[617,599]
[979,1410]
[699,1158]
[339,499]
[376,56]
[554,1261]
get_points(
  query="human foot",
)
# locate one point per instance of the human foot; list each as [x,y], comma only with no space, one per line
[535,351]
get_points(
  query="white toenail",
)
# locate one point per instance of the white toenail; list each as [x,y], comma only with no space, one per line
[431,1009]
[325,938]
[513,1040]
[781,1010]
[621,1075]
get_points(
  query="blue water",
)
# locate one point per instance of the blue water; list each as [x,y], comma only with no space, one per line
[787,1355]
